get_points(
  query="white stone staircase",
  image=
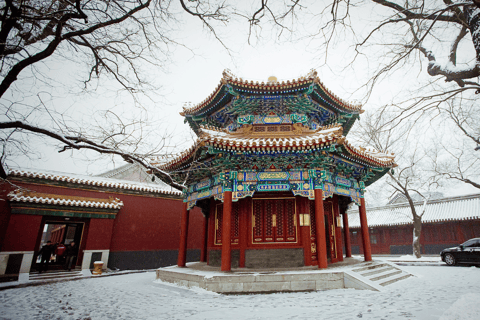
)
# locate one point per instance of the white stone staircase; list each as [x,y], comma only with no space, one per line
[56,275]
[381,273]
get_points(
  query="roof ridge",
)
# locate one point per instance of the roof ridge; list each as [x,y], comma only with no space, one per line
[229,77]
[21,195]
[111,184]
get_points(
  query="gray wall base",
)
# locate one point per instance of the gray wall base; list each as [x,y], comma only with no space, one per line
[139,260]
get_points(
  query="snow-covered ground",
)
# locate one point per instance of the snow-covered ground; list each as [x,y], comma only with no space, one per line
[439,292]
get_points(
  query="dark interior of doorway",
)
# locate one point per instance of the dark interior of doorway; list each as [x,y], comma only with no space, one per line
[60,233]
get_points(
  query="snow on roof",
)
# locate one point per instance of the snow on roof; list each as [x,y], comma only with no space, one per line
[440,210]
[95,181]
[20,195]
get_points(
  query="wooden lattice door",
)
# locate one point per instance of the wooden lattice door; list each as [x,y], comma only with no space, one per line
[274,220]
[235,230]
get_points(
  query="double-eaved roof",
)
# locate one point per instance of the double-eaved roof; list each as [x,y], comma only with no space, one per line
[439,210]
[297,124]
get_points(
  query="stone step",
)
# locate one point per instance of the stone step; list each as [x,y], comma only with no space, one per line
[401,277]
[371,267]
[55,275]
[377,271]
[387,275]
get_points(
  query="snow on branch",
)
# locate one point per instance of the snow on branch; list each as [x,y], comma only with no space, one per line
[79,142]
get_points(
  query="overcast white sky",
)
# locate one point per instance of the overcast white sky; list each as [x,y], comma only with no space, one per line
[190,76]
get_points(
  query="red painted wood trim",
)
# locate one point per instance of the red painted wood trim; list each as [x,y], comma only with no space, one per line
[203,250]
[346,234]
[227,232]
[182,250]
[367,251]
[320,230]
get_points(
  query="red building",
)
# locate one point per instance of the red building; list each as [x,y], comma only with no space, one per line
[446,222]
[273,173]
[126,225]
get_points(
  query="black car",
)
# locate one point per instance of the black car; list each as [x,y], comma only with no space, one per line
[468,252]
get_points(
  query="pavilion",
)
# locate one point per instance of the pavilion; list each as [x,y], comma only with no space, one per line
[273,174]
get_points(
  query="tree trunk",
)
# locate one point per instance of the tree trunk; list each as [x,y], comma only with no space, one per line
[472,14]
[417,231]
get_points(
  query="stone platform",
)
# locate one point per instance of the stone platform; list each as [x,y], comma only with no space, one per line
[340,275]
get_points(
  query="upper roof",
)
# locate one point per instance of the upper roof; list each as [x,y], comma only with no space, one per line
[440,210]
[235,97]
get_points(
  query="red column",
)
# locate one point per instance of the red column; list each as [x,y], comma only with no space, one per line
[346,236]
[320,230]
[182,250]
[227,232]
[367,251]
[203,251]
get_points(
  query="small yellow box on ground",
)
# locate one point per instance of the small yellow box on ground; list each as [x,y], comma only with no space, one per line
[97,268]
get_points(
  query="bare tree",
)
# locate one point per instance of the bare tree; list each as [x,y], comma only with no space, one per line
[439,37]
[456,155]
[111,40]
[413,175]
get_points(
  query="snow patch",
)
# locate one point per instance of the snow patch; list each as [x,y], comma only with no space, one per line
[466,307]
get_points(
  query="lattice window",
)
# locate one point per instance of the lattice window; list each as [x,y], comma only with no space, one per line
[219,224]
[274,220]
[272,129]
[280,218]
[259,129]
[236,221]
[235,230]
[269,206]
[313,226]
[285,128]
[257,223]
[290,219]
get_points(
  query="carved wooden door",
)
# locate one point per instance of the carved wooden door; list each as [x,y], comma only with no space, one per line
[274,221]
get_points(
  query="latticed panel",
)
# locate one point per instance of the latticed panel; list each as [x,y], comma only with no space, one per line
[290,219]
[236,222]
[269,207]
[280,220]
[327,209]
[218,224]
[313,231]
[257,222]
[313,226]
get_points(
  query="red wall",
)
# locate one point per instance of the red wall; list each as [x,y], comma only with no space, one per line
[153,224]
[22,232]
[143,223]
[99,234]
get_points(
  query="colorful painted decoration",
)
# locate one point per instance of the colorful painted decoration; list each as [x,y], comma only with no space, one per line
[275,137]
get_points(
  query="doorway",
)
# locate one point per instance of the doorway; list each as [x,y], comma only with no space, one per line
[60,232]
